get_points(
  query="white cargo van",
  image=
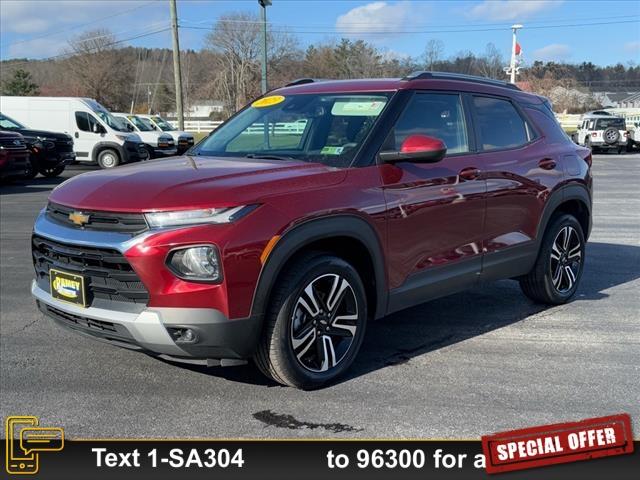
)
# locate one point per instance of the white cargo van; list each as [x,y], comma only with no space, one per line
[184,140]
[97,135]
[158,144]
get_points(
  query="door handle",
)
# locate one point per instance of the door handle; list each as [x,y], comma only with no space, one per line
[469,173]
[76,135]
[547,164]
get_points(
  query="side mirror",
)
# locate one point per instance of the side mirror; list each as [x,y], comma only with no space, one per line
[130,127]
[417,148]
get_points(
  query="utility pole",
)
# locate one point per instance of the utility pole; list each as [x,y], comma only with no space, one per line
[512,69]
[177,72]
[263,16]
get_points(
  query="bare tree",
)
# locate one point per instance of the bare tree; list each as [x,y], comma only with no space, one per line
[433,53]
[491,63]
[236,42]
[101,68]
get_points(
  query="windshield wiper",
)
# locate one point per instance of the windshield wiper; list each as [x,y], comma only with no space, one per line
[268,156]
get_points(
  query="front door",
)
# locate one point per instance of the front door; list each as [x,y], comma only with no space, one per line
[88,132]
[435,210]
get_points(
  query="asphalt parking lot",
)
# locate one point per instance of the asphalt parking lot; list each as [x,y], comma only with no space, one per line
[477,362]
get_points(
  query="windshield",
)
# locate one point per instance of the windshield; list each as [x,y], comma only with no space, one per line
[325,128]
[118,124]
[7,123]
[611,122]
[163,124]
[141,124]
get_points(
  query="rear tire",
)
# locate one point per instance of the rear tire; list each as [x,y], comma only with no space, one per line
[315,322]
[108,158]
[556,274]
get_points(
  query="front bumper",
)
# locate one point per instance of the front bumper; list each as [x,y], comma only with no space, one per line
[164,152]
[217,336]
[147,326]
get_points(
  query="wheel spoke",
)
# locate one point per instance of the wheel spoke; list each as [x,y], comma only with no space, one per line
[328,353]
[314,308]
[575,252]
[570,276]
[555,251]
[565,239]
[304,342]
[338,323]
[557,276]
[337,293]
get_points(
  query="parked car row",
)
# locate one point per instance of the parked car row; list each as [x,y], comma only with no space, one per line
[57,131]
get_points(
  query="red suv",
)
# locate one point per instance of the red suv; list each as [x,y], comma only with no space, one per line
[315,209]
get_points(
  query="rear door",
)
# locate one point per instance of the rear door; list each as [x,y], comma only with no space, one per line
[519,170]
[435,210]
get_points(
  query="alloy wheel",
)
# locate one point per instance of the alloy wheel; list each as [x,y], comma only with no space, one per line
[324,322]
[566,259]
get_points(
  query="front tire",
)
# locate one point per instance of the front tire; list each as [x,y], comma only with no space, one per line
[555,276]
[32,169]
[108,158]
[315,322]
[51,172]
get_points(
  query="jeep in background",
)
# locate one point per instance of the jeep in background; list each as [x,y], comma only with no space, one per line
[14,156]
[50,152]
[280,244]
[603,131]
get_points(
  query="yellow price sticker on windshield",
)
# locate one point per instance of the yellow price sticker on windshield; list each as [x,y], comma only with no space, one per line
[268,101]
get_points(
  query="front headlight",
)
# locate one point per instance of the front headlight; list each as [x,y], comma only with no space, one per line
[193,217]
[199,263]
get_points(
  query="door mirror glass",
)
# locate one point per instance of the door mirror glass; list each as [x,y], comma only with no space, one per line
[417,148]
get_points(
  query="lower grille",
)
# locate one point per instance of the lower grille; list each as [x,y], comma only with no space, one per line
[97,328]
[108,275]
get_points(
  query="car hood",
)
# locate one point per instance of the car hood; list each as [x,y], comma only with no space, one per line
[32,134]
[191,182]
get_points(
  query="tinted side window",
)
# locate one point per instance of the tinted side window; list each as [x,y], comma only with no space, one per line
[437,115]
[499,124]
[82,121]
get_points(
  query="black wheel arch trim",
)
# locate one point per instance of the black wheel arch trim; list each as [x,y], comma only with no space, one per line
[303,234]
[565,193]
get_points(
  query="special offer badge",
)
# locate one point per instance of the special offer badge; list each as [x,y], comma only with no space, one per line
[559,443]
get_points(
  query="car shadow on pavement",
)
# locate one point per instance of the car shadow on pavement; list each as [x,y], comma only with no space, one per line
[398,338]
[39,184]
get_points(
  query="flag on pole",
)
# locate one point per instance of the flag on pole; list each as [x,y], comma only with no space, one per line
[518,49]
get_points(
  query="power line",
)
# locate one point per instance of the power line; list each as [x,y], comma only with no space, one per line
[71,54]
[311,25]
[75,27]
[400,32]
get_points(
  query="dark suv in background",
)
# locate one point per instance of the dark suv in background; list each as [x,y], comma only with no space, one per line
[316,209]
[14,156]
[50,152]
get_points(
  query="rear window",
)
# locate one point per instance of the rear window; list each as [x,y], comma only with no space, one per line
[499,124]
[604,123]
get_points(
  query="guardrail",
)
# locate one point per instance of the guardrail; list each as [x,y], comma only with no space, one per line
[198,126]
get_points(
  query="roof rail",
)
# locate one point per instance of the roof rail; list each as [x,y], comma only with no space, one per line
[422,75]
[301,81]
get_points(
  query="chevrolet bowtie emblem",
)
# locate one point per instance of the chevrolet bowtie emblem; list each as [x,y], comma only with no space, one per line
[79,218]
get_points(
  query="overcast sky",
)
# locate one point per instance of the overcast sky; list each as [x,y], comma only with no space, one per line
[553,29]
